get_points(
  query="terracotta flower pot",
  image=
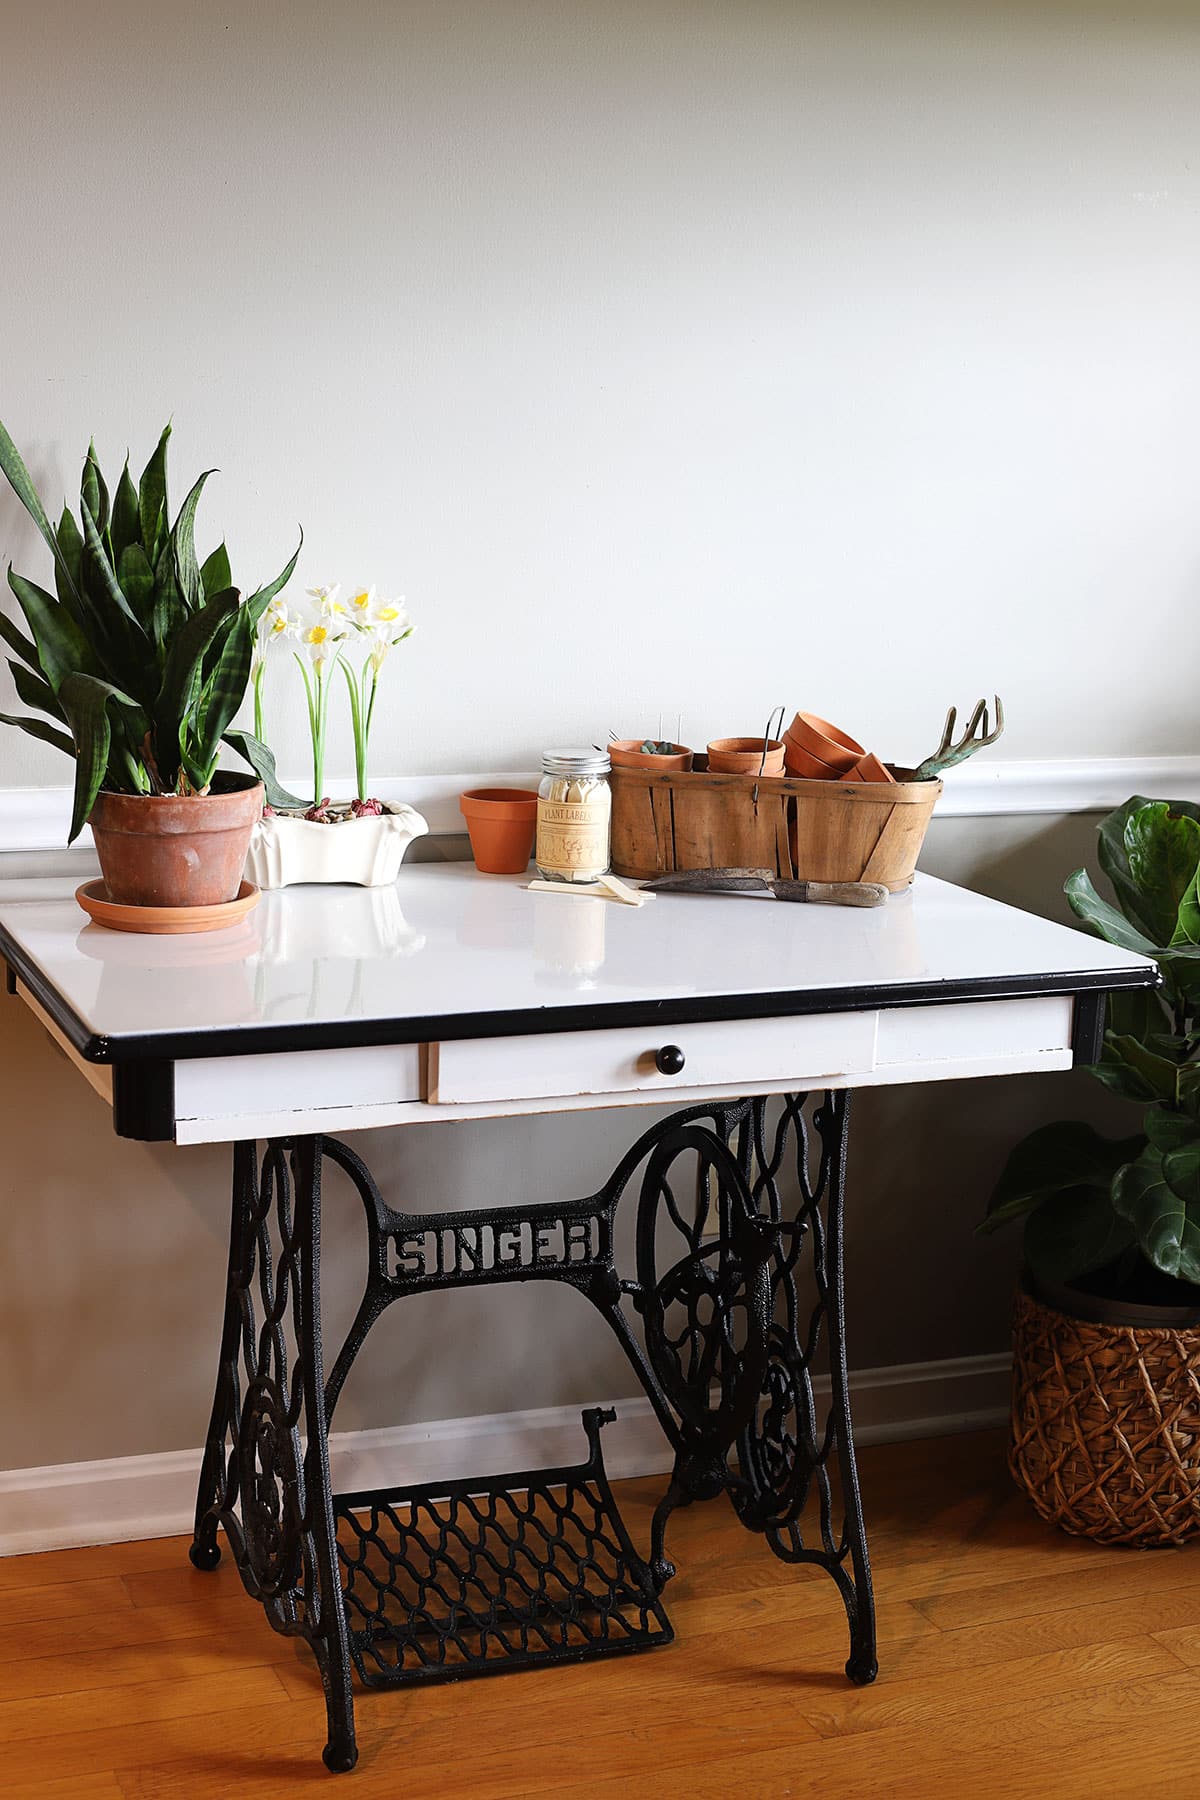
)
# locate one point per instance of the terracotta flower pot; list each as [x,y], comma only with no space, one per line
[501,823]
[173,849]
[803,764]
[868,768]
[809,737]
[744,756]
[626,753]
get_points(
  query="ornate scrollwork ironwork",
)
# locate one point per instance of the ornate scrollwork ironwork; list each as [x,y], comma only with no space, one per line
[712,1322]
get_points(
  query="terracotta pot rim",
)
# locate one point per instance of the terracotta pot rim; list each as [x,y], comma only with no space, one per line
[744,746]
[498,803]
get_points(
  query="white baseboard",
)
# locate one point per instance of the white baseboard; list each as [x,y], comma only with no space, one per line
[129,1497]
[37,818]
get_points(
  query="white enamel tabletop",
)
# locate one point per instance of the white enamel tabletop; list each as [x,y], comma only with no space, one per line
[446,942]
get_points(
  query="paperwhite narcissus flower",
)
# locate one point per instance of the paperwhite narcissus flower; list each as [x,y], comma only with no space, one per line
[361,605]
[326,595]
[320,642]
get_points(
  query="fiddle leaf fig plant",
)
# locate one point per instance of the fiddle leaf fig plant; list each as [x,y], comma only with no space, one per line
[1118,1215]
[138,662]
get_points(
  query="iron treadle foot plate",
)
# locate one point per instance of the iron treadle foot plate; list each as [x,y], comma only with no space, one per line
[493,1573]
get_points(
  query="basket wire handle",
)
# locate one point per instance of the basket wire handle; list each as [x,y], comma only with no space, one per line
[776,714]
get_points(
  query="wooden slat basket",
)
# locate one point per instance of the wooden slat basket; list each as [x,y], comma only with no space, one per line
[812,830]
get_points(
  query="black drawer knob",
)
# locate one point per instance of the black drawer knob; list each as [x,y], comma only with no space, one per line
[669,1060]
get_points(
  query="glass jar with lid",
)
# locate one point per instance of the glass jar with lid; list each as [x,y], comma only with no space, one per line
[574,815]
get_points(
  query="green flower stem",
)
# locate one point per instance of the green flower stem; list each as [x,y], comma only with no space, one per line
[356,720]
[314,724]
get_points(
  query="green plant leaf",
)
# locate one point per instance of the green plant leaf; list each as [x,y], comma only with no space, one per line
[1168,1231]
[68,567]
[1136,1012]
[21,482]
[87,703]
[119,609]
[1114,858]
[1067,1154]
[34,692]
[225,688]
[1188,1087]
[183,540]
[62,649]
[1101,918]
[1162,848]
[38,728]
[255,752]
[93,493]
[170,614]
[1158,1072]
[137,583]
[126,521]
[215,574]
[1168,1130]
[152,499]
[262,597]
[18,643]
[180,688]
[1074,1234]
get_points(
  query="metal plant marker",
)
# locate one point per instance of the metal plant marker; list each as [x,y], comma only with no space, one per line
[738,1278]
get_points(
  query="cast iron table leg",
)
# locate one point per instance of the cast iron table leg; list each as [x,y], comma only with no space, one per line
[271,1496]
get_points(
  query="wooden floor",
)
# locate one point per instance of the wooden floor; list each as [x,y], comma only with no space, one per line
[1015,1661]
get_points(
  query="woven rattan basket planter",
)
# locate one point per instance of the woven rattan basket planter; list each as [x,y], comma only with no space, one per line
[1106,1425]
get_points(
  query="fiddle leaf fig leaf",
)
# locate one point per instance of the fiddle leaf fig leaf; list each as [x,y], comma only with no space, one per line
[1068,1154]
[1158,1072]
[1075,1234]
[1101,918]
[1166,1227]
[1163,851]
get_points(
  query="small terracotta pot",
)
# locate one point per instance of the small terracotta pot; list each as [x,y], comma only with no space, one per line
[808,735]
[626,753]
[744,756]
[802,764]
[868,768]
[175,849]
[501,823]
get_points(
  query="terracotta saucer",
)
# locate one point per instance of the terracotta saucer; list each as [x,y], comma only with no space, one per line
[161,920]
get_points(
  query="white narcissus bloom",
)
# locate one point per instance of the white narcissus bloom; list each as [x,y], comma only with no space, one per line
[327,596]
[320,642]
[361,605]
[389,624]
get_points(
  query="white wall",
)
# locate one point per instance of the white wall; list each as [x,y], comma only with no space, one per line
[670,356]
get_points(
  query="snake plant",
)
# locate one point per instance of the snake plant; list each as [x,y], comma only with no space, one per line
[139,661]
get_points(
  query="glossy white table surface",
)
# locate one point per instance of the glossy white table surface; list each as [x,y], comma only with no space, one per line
[450,951]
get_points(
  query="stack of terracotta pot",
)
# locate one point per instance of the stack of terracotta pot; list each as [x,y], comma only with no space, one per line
[817,750]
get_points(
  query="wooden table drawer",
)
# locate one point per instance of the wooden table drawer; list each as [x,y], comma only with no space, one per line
[796,1052]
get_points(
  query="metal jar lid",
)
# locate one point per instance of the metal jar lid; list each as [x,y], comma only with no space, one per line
[576,762]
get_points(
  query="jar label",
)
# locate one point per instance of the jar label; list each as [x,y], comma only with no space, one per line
[572,838]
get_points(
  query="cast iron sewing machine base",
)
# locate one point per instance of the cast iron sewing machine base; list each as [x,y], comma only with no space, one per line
[477,1576]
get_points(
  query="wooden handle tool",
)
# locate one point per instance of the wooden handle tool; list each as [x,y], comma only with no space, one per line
[758,881]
